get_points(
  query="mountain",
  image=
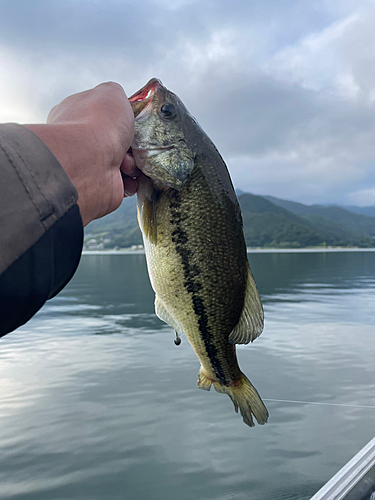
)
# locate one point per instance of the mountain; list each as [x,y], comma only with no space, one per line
[335,234]
[358,224]
[118,229]
[369,211]
[268,222]
[267,225]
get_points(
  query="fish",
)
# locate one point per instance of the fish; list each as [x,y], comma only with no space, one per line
[195,249]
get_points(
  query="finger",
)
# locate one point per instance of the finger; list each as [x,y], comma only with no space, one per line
[129,167]
[130,185]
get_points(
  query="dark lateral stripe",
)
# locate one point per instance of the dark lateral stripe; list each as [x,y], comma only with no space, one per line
[193,286]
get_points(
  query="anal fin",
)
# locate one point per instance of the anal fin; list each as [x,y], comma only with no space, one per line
[203,381]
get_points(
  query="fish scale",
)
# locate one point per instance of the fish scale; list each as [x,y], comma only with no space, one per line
[196,254]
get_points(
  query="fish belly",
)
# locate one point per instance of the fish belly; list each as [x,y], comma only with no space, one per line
[198,268]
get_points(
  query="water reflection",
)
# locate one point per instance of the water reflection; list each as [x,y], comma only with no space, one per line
[97,402]
[283,271]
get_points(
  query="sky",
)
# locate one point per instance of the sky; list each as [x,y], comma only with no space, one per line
[284,88]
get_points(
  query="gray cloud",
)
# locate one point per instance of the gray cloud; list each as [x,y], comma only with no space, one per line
[286,89]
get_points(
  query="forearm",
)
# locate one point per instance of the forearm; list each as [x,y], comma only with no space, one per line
[65,141]
[73,169]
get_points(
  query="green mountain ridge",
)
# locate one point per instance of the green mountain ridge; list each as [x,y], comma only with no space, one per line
[267,225]
[369,211]
[116,230]
[268,222]
[357,223]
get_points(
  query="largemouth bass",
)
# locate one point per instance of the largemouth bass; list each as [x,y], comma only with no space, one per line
[195,249]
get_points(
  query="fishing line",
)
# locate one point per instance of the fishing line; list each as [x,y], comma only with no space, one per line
[317,403]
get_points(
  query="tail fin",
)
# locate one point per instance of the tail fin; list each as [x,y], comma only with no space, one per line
[244,396]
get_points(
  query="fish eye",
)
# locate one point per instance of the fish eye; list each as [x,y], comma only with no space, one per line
[168,110]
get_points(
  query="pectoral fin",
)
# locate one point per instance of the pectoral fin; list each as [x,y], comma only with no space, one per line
[147,217]
[164,315]
[250,325]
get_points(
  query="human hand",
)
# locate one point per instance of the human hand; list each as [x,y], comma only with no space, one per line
[90,134]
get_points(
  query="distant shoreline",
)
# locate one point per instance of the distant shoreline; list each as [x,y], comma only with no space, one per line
[249,250]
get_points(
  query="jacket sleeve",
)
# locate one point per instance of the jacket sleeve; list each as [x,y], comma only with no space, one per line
[41,232]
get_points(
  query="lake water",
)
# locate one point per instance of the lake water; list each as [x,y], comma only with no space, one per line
[97,403]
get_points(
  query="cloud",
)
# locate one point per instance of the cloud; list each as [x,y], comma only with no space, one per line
[33,83]
[286,89]
[337,60]
[363,197]
[314,63]
[282,139]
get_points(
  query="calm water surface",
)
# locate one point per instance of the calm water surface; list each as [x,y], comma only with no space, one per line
[98,403]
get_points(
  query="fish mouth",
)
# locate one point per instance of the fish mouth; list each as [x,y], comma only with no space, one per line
[141,101]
